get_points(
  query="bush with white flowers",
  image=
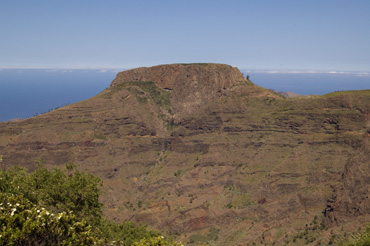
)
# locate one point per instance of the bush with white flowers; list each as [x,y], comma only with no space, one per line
[61,207]
[24,223]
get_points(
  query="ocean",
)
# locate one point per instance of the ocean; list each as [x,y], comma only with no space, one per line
[28,92]
[310,83]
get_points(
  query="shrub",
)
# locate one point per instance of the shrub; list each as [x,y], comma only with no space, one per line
[126,232]
[156,241]
[56,190]
[52,207]
[24,223]
[363,239]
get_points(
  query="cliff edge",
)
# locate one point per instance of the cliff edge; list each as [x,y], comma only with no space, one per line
[191,85]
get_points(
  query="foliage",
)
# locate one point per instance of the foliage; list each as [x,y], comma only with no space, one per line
[338,93]
[144,90]
[156,241]
[56,190]
[126,232]
[52,207]
[363,239]
[207,238]
[23,223]
[158,95]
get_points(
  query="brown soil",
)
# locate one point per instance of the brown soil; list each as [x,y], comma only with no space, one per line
[208,154]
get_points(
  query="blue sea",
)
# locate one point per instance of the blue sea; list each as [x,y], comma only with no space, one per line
[28,92]
[310,83]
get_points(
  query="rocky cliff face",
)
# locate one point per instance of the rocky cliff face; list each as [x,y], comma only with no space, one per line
[191,85]
[351,197]
[199,151]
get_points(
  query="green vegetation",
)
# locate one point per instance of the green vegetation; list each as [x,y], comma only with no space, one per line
[148,93]
[24,223]
[237,198]
[212,235]
[155,241]
[56,190]
[126,233]
[159,96]
[338,93]
[362,239]
[143,91]
[61,207]
[178,173]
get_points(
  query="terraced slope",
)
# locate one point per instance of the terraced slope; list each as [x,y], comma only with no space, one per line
[198,151]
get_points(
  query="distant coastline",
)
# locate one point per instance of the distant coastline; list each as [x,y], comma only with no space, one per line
[26,92]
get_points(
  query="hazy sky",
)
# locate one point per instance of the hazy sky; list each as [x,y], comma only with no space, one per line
[278,34]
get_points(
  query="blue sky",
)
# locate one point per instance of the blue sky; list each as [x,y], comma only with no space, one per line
[318,35]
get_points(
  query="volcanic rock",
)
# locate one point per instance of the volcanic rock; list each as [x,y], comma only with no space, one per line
[209,155]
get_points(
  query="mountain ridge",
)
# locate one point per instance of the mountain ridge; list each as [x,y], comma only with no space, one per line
[243,164]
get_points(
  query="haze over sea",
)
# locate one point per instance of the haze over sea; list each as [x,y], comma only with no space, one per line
[28,92]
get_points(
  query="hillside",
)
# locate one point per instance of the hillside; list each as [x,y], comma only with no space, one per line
[200,152]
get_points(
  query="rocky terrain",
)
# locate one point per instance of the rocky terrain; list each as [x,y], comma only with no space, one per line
[288,94]
[202,153]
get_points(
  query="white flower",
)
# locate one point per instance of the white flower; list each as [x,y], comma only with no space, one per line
[17,204]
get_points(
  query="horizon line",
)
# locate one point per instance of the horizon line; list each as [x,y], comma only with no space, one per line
[333,72]
[243,70]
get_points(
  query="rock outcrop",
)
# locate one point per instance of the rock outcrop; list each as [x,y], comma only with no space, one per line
[191,85]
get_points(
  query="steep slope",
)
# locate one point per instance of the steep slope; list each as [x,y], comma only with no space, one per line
[201,152]
[351,197]
[191,85]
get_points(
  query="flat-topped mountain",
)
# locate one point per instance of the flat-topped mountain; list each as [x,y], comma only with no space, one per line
[191,85]
[201,152]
